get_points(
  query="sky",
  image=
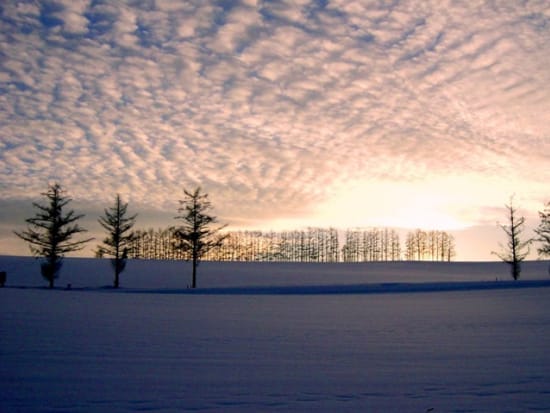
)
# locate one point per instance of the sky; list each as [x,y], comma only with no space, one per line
[404,114]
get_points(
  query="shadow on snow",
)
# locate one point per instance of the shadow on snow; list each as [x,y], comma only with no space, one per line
[380,288]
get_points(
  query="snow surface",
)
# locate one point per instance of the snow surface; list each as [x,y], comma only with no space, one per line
[258,337]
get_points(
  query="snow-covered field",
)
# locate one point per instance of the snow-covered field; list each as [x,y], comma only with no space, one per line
[258,337]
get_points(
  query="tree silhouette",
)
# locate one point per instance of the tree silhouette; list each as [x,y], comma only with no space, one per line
[120,239]
[516,250]
[431,245]
[543,232]
[50,232]
[196,235]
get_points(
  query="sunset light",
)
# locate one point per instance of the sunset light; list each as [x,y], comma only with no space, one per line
[325,113]
[247,206]
[390,205]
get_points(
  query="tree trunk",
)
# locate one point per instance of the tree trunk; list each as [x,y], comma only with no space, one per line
[195,261]
[194,283]
[516,270]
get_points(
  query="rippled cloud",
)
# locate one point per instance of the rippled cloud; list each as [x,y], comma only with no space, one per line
[278,109]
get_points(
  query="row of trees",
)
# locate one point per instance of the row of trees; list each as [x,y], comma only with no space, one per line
[362,245]
[50,236]
[307,245]
[430,246]
[51,231]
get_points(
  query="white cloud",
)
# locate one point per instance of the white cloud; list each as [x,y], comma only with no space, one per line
[274,107]
[74,20]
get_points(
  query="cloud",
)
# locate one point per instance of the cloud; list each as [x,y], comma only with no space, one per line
[72,14]
[273,107]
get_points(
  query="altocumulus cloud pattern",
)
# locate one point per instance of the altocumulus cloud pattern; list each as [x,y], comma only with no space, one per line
[273,106]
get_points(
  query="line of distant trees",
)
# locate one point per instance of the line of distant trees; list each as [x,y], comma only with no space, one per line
[430,246]
[364,245]
[306,245]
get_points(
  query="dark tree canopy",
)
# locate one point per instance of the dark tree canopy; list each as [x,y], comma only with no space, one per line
[118,226]
[196,234]
[516,250]
[50,232]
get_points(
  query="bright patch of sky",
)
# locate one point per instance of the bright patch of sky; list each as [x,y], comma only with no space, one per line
[332,113]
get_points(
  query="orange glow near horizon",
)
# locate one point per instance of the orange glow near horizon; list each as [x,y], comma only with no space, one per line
[409,205]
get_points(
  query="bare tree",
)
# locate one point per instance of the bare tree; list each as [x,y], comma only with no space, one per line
[395,246]
[120,239]
[543,232]
[417,246]
[516,250]
[196,235]
[51,231]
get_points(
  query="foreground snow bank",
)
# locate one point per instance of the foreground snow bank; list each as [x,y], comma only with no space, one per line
[458,351]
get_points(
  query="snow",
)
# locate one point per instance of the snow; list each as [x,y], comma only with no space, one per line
[257,337]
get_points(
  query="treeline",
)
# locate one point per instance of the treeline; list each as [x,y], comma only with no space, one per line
[429,246]
[51,230]
[307,245]
[363,245]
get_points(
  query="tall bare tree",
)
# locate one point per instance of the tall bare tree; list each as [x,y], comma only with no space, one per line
[516,250]
[120,237]
[543,232]
[196,235]
[50,232]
